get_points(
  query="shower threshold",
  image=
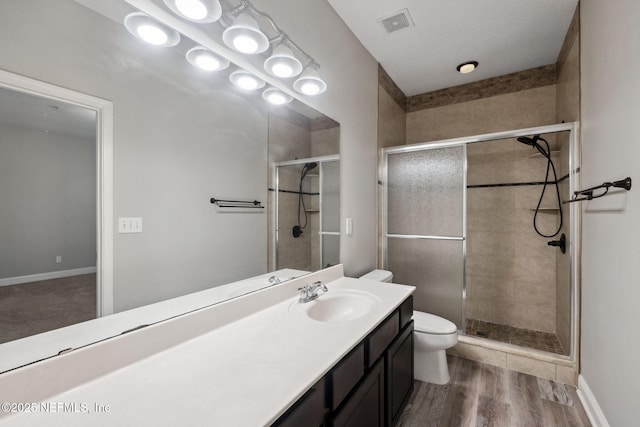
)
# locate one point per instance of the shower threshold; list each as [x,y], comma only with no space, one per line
[517,336]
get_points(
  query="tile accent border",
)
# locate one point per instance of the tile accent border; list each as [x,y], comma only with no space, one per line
[386,82]
[590,404]
[509,83]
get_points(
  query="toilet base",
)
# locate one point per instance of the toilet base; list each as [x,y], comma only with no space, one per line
[431,367]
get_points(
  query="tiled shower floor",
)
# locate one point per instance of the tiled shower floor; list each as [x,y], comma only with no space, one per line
[523,337]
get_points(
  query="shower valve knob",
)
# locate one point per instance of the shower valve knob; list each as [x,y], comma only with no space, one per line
[561,243]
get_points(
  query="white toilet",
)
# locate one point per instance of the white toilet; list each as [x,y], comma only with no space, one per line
[432,335]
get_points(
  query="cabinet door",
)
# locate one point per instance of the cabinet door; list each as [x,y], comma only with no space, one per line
[365,406]
[399,369]
[310,410]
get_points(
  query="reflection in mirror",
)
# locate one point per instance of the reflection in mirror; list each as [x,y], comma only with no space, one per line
[47,214]
[181,136]
[307,228]
[304,189]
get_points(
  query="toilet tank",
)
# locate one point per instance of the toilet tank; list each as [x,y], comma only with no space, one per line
[379,276]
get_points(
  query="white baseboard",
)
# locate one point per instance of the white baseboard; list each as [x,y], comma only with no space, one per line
[590,404]
[46,276]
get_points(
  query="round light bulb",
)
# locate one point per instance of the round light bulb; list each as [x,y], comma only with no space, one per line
[467,68]
[310,88]
[245,44]
[247,82]
[193,9]
[282,69]
[152,34]
[207,62]
[277,98]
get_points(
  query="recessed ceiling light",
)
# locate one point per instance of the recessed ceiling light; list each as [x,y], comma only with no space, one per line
[467,67]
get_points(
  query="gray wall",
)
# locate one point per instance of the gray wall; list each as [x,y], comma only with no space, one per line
[610,341]
[180,138]
[48,208]
[351,74]
[150,169]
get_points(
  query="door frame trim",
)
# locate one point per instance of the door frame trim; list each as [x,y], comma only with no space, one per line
[104,173]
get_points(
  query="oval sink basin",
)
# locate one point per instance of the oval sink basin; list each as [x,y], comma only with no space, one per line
[340,305]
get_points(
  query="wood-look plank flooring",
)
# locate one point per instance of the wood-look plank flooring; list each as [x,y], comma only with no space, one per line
[481,395]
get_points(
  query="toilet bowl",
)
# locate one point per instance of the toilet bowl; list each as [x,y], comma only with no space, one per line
[432,336]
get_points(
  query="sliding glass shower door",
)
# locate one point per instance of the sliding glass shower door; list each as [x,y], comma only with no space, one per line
[424,226]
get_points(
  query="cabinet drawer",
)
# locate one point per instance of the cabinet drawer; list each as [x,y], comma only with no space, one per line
[380,339]
[406,312]
[346,374]
[310,410]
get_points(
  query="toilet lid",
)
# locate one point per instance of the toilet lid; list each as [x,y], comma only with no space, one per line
[378,276]
[432,324]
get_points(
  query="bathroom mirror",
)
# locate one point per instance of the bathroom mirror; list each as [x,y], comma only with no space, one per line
[181,137]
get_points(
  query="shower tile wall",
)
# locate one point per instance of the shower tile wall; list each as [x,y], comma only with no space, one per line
[511,272]
[527,108]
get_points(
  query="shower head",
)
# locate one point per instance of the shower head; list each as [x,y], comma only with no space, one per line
[529,141]
[533,142]
[306,168]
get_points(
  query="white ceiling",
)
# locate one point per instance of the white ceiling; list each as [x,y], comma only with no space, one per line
[504,36]
[46,115]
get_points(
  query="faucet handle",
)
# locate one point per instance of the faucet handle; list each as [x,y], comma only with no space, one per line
[320,285]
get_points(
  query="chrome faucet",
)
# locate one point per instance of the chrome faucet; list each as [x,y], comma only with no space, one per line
[310,292]
[274,280]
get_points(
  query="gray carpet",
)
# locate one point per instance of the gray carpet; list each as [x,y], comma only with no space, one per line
[32,308]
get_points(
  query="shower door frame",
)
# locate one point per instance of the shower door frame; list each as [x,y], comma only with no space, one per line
[320,160]
[574,213]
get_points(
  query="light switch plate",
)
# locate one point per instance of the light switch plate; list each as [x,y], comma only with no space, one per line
[129,225]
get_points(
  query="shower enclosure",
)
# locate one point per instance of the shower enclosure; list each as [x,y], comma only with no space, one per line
[458,223]
[307,217]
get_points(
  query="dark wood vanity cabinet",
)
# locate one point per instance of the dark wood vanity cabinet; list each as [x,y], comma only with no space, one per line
[368,387]
[310,410]
[399,374]
[365,407]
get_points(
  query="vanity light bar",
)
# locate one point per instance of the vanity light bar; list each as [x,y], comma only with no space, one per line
[244,33]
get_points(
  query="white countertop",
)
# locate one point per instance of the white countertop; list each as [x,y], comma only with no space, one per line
[41,346]
[245,373]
